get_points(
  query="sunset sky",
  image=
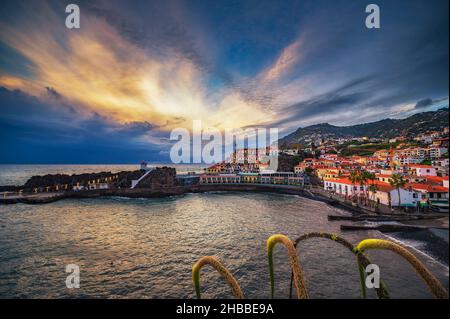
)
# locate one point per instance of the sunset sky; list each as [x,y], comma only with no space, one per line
[111,91]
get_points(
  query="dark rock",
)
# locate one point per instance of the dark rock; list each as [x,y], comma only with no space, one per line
[160,177]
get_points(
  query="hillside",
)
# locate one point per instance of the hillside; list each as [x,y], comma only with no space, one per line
[387,128]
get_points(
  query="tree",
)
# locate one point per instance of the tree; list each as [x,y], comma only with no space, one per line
[426,162]
[365,177]
[355,178]
[397,182]
[373,189]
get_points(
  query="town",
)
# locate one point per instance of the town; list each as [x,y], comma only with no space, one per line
[409,175]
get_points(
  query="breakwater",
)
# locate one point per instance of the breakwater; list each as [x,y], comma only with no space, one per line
[153,192]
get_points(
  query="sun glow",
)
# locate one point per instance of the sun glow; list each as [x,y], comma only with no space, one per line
[98,71]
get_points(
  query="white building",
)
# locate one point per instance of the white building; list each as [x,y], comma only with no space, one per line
[78,187]
[343,186]
[442,162]
[388,195]
[385,194]
[290,151]
[421,170]
[92,186]
[407,160]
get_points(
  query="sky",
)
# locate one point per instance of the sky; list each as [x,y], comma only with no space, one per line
[113,90]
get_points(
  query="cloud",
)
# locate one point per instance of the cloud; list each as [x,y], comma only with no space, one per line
[424,103]
[51,91]
[98,70]
[288,58]
[50,135]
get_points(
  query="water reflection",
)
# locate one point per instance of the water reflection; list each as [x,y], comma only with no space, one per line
[145,248]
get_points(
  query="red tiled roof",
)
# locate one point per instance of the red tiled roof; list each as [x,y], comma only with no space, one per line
[436,179]
[385,188]
[380,183]
[428,188]
[340,181]
[419,166]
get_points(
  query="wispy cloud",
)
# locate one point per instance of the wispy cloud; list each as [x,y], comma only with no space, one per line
[100,71]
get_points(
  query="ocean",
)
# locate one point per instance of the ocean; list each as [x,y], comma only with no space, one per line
[145,248]
[18,174]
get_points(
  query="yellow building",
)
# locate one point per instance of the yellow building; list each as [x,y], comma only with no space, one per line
[251,178]
[328,173]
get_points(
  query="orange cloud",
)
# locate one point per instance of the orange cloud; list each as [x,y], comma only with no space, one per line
[97,70]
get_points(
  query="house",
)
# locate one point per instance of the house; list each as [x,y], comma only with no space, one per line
[436,180]
[282,178]
[386,178]
[290,151]
[440,162]
[407,160]
[416,179]
[388,171]
[328,173]
[384,193]
[343,187]
[220,179]
[421,170]
[436,152]
[327,156]
[440,142]
[215,169]
[251,178]
[436,196]
[375,161]
[387,195]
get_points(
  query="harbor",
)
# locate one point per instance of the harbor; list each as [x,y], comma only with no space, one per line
[145,248]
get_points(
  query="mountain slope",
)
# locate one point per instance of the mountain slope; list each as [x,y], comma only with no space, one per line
[387,128]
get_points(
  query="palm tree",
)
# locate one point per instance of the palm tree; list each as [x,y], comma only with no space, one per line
[373,189]
[365,178]
[397,182]
[354,178]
